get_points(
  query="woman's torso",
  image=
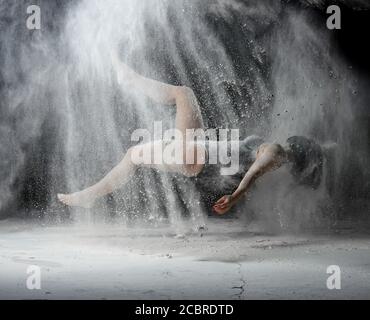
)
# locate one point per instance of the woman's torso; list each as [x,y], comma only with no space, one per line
[225,166]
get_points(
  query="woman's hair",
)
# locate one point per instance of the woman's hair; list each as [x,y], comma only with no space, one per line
[307,160]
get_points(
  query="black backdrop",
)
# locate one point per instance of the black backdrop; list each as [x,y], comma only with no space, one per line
[32,186]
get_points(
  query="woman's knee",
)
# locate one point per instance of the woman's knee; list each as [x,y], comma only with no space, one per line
[183,91]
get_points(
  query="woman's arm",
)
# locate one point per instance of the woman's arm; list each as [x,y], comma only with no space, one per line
[269,157]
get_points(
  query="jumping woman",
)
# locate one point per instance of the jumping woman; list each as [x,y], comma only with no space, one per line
[256,157]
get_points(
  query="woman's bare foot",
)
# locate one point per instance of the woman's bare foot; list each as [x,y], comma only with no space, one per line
[77,199]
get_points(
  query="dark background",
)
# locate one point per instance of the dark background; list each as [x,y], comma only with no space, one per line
[33,185]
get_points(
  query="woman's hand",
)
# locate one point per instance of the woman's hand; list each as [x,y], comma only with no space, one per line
[223,205]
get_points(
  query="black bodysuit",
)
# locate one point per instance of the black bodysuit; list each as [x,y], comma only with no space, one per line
[212,185]
[306,167]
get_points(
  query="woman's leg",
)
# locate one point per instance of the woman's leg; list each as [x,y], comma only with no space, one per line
[188,116]
[122,173]
[117,176]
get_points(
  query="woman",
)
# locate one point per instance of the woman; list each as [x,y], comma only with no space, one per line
[255,156]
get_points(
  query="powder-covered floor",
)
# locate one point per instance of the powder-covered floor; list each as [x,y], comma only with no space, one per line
[228,261]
